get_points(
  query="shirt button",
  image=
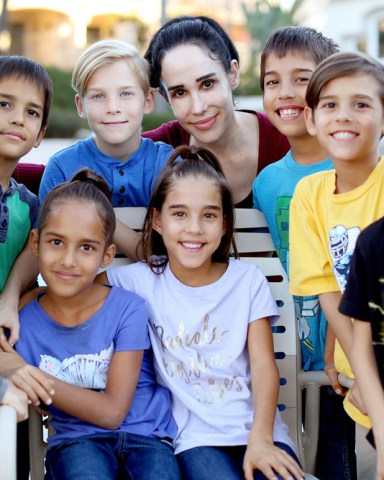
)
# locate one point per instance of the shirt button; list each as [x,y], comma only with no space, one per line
[122,190]
[120,201]
[121,172]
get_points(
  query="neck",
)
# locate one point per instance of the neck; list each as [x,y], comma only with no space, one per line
[7,167]
[306,150]
[351,175]
[121,151]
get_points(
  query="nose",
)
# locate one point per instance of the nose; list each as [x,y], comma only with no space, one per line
[343,114]
[199,104]
[68,258]
[17,117]
[113,105]
[194,225]
[286,90]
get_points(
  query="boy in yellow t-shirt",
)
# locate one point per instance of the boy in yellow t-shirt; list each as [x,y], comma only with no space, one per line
[345,99]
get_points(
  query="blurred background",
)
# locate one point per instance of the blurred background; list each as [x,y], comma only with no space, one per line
[56,32]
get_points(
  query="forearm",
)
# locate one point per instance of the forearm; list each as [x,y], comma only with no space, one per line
[340,324]
[126,240]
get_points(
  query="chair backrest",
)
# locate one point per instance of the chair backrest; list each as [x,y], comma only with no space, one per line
[8,425]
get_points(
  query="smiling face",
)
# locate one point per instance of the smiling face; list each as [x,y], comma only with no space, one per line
[114,104]
[71,251]
[349,119]
[191,223]
[199,91]
[21,113]
[285,84]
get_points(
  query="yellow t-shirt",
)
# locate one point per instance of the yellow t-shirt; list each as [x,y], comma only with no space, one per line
[324,227]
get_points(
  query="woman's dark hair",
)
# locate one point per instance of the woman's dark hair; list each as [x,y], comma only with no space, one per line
[85,186]
[187,30]
[196,162]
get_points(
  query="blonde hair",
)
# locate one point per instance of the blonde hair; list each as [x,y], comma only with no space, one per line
[104,53]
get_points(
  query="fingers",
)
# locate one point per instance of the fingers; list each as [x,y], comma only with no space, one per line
[15,332]
[333,377]
[34,383]
[4,344]
[273,461]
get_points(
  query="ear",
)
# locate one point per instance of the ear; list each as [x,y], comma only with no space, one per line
[40,137]
[156,222]
[108,256]
[149,102]
[34,241]
[309,116]
[80,106]
[234,74]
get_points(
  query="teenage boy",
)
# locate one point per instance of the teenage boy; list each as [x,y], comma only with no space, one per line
[345,99]
[288,60]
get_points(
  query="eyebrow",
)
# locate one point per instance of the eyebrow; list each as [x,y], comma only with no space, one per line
[199,79]
[207,207]
[296,70]
[355,95]
[60,237]
[31,104]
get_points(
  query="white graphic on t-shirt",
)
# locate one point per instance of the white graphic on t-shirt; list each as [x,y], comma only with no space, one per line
[82,370]
[342,243]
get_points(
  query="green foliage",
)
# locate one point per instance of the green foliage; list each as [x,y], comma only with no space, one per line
[261,20]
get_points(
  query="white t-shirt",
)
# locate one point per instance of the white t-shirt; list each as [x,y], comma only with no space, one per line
[199,339]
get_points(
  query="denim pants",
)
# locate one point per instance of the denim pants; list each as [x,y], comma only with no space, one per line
[218,463]
[336,457]
[108,456]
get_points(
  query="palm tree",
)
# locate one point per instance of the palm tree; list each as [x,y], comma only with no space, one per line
[261,21]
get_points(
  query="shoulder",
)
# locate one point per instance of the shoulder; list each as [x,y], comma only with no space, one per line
[156,147]
[24,194]
[119,294]
[314,183]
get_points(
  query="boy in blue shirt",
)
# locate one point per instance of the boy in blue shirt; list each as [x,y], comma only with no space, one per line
[289,58]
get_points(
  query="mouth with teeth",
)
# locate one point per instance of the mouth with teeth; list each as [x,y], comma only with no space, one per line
[343,135]
[192,246]
[289,113]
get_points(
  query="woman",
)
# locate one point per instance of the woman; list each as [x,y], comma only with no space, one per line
[195,65]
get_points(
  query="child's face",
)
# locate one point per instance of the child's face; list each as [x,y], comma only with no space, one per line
[114,104]
[285,84]
[349,119]
[191,223]
[21,113]
[71,251]
[199,91]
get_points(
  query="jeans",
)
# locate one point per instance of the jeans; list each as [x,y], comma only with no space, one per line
[108,456]
[218,463]
[336,458]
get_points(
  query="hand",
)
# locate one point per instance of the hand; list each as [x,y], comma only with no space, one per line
[17,399]
[35,383]
[9,318]
[333,376]
[356,398]
[266,457]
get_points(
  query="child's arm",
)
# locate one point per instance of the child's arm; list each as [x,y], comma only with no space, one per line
[329,361]
[261,453]
[126,240]
[367,377]
[105,409]
[22,275]
[341,324]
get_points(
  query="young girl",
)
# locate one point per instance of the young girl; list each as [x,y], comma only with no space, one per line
[91,341]
[210,327]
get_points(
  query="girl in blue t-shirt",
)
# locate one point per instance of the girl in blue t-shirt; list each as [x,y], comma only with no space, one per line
[86,346]
[210,328]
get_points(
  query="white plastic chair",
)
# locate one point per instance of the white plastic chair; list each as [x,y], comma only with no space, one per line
[8,429]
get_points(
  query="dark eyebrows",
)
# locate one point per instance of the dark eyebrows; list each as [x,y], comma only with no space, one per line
[296,70]
[37,106]
[206,207]
[200,79]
